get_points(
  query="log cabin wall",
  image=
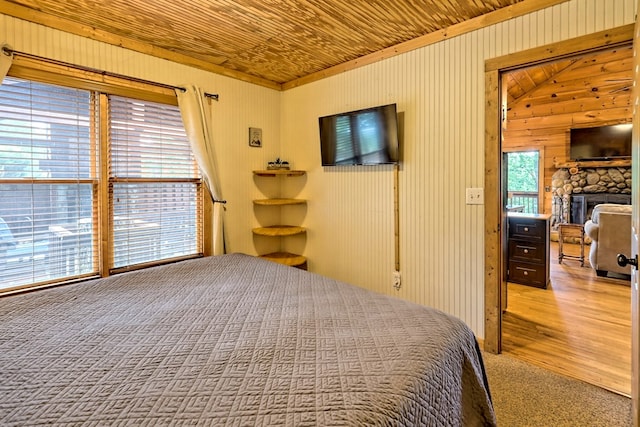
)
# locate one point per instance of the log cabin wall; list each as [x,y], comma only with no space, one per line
[545,101]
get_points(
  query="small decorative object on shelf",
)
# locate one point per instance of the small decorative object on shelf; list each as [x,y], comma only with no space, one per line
[278,164]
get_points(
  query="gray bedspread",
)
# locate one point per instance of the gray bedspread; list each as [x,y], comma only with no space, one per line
[234,340]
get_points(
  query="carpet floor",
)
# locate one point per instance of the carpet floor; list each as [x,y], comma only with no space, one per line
[526,395]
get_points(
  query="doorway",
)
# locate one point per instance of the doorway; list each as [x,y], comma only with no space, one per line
[495,215]
[546,327]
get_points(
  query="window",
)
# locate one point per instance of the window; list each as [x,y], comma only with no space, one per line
[153,183]
[55,211]
[47,182]
[523,180]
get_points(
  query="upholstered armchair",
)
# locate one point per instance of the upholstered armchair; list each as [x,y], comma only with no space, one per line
[610,231]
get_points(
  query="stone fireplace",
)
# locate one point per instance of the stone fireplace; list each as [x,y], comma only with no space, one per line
[576,190]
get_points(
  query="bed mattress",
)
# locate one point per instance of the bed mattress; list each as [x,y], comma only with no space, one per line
[234,340]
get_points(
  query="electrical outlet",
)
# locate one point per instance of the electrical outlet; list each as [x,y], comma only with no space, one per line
[475,196]
[397,280]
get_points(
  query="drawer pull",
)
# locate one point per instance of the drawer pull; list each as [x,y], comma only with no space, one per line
[526,251]
[526,273]
[526,229]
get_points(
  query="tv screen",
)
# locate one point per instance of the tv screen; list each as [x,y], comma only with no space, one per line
[601,143]
[362,137]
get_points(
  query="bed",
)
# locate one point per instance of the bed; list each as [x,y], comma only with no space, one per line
[234,340]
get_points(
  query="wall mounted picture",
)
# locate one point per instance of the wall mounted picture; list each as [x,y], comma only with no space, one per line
[255,137]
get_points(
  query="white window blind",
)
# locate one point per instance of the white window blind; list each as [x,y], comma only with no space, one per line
[344,145]
[51,226]
[154,184]
[359,136]
[48,183]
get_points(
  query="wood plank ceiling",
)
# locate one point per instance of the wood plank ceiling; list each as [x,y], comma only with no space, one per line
[587,84]
[273,41]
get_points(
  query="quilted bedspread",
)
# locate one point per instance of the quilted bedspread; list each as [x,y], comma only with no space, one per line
[234,340]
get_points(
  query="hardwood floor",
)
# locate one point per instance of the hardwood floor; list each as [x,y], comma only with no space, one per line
[579,327]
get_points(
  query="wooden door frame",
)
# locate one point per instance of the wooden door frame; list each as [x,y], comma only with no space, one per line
[635,225]
[494,216]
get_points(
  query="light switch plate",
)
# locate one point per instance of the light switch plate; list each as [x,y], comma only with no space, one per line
[475,196]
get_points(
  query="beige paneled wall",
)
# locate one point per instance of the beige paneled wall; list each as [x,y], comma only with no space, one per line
[440,89]
[241,106]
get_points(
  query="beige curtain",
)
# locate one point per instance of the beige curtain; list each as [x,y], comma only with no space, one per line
[196,116]
[6,58]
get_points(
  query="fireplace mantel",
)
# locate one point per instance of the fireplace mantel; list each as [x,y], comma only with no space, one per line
[620,163]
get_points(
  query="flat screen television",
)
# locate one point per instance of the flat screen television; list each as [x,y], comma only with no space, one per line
[362,137]
[601,143]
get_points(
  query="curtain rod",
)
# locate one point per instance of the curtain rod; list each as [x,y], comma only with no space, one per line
[6,50]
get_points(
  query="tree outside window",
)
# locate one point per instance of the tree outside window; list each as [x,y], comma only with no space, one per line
[523,180]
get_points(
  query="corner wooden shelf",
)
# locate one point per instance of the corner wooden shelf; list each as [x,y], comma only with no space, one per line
[286,258]
[279,230]
[279,202]
[279,172]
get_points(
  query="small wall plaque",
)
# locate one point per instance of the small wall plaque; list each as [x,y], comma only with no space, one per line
[255,137]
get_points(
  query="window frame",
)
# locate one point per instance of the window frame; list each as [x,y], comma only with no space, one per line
[104,84]
[541,176]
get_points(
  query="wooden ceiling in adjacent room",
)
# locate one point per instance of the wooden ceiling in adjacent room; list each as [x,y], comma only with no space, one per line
[592,88]
[603,73]
[272,43]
